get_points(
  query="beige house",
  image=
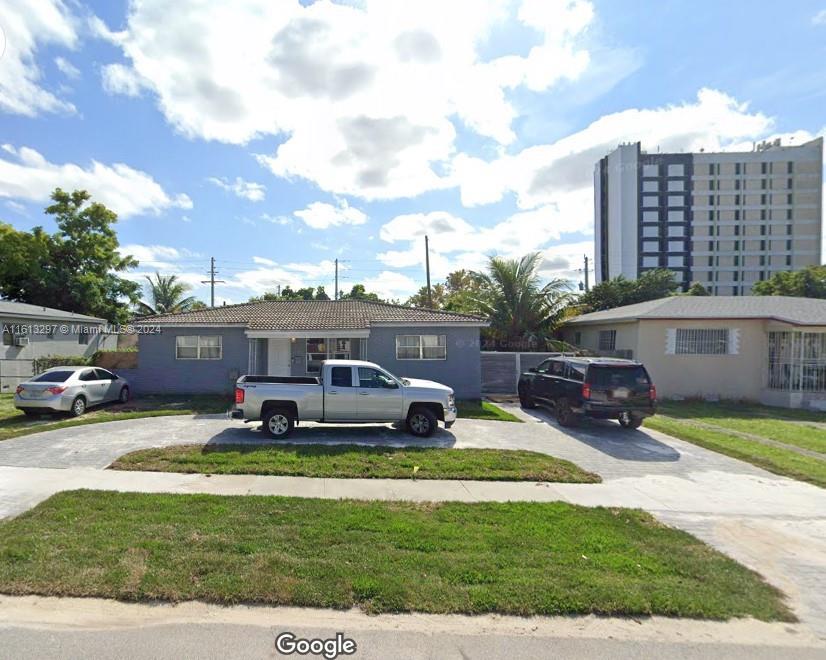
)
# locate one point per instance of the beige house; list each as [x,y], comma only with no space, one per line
[770,349]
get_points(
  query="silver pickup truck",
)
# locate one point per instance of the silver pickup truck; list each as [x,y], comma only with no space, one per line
[348,392]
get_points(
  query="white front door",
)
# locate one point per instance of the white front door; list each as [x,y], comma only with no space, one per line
[278,357]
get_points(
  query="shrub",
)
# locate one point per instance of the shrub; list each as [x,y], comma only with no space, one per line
[39,365]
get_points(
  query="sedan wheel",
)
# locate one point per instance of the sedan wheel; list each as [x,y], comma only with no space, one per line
[124,395]
[78,407]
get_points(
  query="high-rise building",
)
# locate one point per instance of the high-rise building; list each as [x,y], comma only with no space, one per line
[726,220]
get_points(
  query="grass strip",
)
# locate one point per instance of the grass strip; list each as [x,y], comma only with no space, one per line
[774,459]
[354,461]
[511,558]
[484,410]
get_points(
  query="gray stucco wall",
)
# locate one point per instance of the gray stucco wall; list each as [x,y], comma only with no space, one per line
[16,361]
[159,372]
[461,370]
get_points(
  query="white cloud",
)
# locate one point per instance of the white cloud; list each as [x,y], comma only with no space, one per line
[365,94]
[120,79]
[276,219]
[250,190]
[67,68]
[127,191]
[819,18]
[392,285]
[320,215]
[25,28]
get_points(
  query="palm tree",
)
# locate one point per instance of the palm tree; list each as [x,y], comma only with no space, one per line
[167,296]
[518,305]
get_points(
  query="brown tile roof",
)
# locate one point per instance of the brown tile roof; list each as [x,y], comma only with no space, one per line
[311,315]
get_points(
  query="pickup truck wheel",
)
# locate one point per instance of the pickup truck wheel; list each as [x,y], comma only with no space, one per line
[564,415]
[422,422]
[629,420]
[278,423]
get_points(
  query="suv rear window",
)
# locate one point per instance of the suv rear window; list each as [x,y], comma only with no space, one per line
[53,377]
[631,377]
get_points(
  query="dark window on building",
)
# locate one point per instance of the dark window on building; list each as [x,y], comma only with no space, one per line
[737,199]
[763,198]
[789,199]
[790,168]
[790,183]
[788,230]
[763,257]
[763,168]
[762,214]
[762,230]
[711,200]
[788,260]
[737,168]
[788,214]
[763,183]
[736,217]
[788,245]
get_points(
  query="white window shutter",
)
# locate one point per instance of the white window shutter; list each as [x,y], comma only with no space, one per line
[671,341]
[734,341]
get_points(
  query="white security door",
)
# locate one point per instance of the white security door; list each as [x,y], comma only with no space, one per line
[278,357]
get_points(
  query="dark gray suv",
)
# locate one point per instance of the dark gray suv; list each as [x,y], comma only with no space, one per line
[602,388]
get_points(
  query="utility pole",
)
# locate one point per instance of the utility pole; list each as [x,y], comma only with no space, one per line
[427,268]
[586,273]
[211,281]
[335,295]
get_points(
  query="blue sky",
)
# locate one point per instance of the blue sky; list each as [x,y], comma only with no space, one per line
[279,136]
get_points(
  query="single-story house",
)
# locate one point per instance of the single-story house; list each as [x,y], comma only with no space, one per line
[32,331]
[207,350]
[770,349]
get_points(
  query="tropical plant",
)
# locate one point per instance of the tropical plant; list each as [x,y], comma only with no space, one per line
[166,294]
[520,307]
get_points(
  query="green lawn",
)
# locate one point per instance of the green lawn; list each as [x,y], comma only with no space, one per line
[795,428]
[484,410]
[13,423]
[510,558]
[351,461]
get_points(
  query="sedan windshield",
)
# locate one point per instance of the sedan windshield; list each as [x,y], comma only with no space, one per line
[53,377]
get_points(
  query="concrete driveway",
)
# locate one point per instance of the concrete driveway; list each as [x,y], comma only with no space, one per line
[772,524]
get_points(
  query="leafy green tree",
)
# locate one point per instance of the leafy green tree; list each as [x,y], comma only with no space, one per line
[321,294]
[620,291]
[77,268]
[520,307]
[358,292]
[420,298]
[696,289]
[809,282]
[166,295]
[288,293]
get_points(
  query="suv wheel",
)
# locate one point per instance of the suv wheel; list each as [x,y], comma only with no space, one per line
[629,420]
[526,400]
[278,423]
[564,415]
[422,422]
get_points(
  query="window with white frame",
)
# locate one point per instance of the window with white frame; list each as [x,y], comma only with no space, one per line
[607,340]
[198,347]
[325,348]
[702,341]
[421,347]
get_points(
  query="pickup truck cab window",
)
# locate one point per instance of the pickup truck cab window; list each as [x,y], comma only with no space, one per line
[341,377]
[557,368]
[373,378]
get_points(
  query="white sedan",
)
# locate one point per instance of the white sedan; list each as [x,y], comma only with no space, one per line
[71,390]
